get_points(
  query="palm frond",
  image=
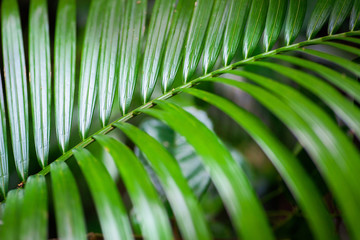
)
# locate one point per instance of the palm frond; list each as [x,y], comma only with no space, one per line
[118,48]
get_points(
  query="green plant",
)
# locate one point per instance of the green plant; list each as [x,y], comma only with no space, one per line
[117,51]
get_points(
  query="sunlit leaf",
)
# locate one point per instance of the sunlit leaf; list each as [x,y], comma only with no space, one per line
[15,85]
[274,22]
[238,13]
[64,67]
[40,78]
[113,12]
[88,83]
[155,45]
[195,39]
[255,26]
[174,50]
[294,19]
[214,35]
[130,50]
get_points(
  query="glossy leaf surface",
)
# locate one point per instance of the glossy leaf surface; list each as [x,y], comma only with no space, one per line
[287,165]
[34,214]
[130,51]
[190,163]
[339,12]
[113,13]
[325,161]
[319,16]
[274,22]
[188,214]
[195,39]
[40,77]
[294,19]
[155,45]
[15,85]
[112,215]
[238,13]
[88,83]
[344,108]
[345,63]
[355,16]
[174,50]
[11,215]
[343,82]
[70,221]
[222,168]
[214,35]
[64,68]
[255,26]
[151,212]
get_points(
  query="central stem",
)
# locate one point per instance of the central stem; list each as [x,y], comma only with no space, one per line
[194,82]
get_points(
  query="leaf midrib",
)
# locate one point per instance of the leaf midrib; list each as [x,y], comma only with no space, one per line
[105,130]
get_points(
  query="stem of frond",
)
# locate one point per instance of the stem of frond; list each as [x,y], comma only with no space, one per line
[194,82]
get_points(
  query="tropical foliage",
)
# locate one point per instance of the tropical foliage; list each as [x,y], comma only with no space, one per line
[310,85]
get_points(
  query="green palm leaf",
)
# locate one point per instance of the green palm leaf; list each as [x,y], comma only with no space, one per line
[130,49]
[40,85]
[64,68]
[108,56]
[68,211]
[294,19]
[221,167]
[137,184]
[89,63]
[148,207]
[15,84]
[155,44]
[112,214]
[185,207]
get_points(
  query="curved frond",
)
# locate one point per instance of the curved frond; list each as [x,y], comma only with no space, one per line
[173,178]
